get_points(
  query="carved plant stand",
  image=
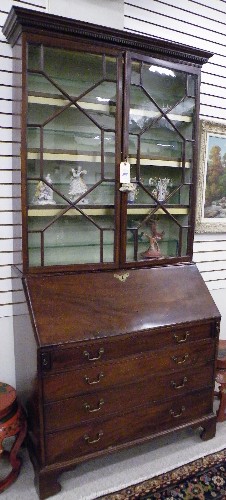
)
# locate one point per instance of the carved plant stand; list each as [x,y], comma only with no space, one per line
[12,423]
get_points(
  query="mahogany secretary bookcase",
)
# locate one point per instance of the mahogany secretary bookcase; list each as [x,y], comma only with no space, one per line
[125,331]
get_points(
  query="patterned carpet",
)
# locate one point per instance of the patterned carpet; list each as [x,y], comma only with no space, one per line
[203,479]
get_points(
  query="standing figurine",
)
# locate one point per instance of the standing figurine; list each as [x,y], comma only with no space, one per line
[160,191]
[153,249]
[77,185]
[44,193]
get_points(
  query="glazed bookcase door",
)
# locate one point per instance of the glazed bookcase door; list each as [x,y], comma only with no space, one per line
[72,110]
[161,114]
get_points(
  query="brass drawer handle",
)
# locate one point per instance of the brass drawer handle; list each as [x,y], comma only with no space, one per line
[176,415]
[183,339]
[87,354]
[180,361]
[95,440]
[175,386]
[87,406]
[91,382]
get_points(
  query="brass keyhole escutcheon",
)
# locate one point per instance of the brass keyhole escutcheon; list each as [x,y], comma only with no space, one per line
[122,277]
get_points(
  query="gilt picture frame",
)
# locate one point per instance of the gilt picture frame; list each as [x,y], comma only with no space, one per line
[211,185]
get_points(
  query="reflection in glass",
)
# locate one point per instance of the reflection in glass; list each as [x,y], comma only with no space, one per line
[185,109]
[162,141]
[142,111]
[100,104]
[136,73]
[75,72]
[166,86]
[191,85]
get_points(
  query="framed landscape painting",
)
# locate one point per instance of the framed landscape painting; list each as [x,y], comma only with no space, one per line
[211,193]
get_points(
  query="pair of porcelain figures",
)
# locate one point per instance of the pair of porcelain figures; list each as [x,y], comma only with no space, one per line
[44,193]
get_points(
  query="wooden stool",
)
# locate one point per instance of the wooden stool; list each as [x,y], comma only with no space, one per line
[12,423]
[221,380]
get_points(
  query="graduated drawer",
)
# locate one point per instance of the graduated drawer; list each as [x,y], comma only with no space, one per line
[92,352]
[85,440]
[102,403]
[126,370]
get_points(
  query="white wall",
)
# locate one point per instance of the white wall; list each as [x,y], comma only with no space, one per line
[200,23]
[106,13]
[10,208]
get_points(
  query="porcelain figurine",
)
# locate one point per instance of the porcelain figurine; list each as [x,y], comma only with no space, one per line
[153,250]
[160,191]
[44,193]
[78,186]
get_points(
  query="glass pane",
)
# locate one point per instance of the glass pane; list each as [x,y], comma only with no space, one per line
[39,85]
[71,158]
[183,123]
[34,246]
[166,86]
[136,73]
[183,110]
[33,168]
[75,72]
[33,154]
[109,150]
[33,138]
[191,83]
[161,124]
[103,194]
[162,141]
[142,111]
[71,239]
[34,57]
[111,69]
[156,237]
[108,246]
[100,104]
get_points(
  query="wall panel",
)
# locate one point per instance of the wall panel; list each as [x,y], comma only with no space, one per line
[10,178]
[202,24]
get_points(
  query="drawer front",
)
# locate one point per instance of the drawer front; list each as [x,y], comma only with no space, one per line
[126,370]
[90,438]
[100,404]
[102,350]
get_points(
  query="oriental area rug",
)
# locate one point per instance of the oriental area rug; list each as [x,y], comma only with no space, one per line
[202,479]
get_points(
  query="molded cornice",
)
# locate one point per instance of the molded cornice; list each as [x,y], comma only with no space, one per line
[24,20]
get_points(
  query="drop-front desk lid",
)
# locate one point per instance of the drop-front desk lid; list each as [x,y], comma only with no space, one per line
[74,307]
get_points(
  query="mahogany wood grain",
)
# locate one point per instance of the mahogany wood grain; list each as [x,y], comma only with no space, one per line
[67,356]
[127,427]
[93,305]
[92,406]
[126,370]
